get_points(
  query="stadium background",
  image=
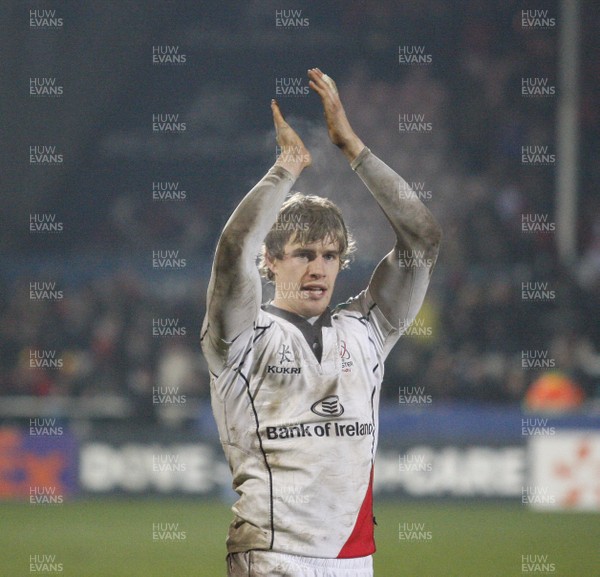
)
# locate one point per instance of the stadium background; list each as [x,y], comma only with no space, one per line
[109,460]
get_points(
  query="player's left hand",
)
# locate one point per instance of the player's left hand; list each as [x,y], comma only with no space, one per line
[338,127]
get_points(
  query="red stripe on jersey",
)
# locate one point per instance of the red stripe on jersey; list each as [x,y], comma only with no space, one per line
[362,541]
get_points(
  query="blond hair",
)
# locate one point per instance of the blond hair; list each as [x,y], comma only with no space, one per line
[305,219]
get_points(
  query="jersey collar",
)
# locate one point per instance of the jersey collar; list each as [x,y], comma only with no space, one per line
[311,332]
[323,321]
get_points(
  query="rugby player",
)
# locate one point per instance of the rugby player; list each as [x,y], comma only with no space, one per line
[295,385]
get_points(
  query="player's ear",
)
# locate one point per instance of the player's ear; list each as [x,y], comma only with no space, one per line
[271,262]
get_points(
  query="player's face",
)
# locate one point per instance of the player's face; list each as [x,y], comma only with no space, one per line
[305,277]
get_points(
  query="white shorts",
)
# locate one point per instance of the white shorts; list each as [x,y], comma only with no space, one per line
[271,564]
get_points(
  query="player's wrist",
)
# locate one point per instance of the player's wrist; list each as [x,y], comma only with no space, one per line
[351,147]
[294,168]
[294,158]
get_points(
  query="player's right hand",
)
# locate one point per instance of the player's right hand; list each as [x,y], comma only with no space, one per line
[293,156]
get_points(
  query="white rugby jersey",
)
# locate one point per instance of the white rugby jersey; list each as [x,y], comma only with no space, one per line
[299,424]
[300,436]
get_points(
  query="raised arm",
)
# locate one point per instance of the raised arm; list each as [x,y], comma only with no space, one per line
[399,282]
[234,291]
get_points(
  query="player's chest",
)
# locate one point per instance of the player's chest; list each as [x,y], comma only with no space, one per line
[289,383]
[290,353]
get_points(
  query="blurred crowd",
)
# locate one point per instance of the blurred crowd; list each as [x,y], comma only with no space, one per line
[501,310]
[111,336]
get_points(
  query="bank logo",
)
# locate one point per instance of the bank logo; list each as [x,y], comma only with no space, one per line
[328,407]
